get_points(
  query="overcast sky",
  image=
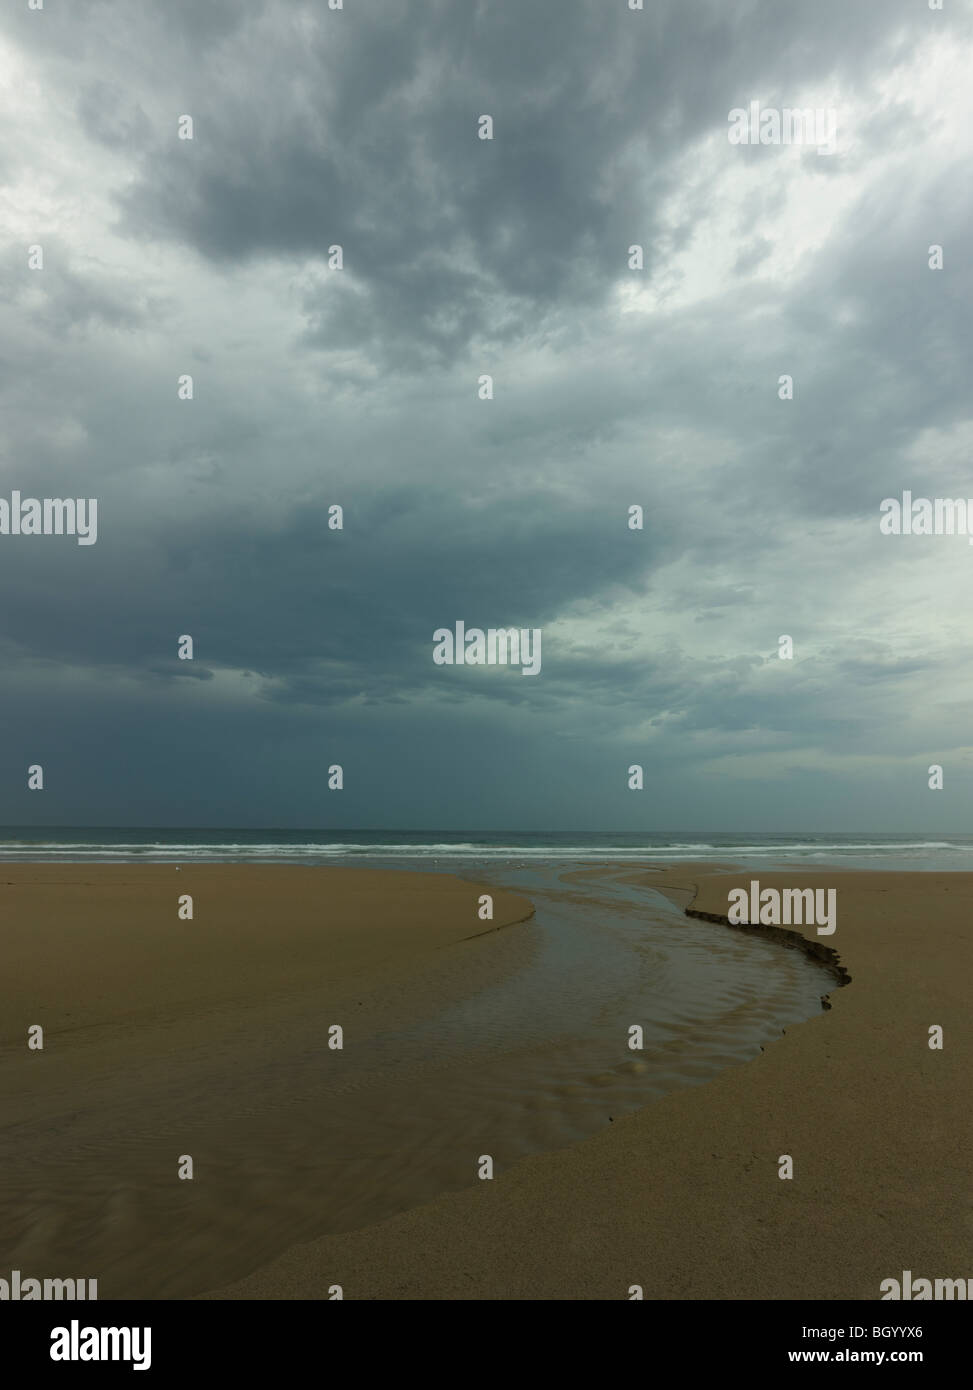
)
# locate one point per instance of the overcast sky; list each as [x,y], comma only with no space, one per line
[612,387]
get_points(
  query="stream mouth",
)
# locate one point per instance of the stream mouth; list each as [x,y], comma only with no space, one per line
[615,955]
[292,1146]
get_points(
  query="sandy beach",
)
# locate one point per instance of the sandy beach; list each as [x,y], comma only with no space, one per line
[684,1199]
[165,1037]
[210,1038]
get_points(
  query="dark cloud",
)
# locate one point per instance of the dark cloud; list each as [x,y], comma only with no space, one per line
[359,387]
[360,129]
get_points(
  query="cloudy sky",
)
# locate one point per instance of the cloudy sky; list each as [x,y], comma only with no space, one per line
[613,387]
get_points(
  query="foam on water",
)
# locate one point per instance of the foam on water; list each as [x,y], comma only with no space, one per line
[72,845]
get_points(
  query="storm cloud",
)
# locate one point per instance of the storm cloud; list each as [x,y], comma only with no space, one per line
[359,387]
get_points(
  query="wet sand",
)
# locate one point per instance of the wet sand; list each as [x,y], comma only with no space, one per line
[166,1037]
[209,1038]
[510,1041]
[683,1197]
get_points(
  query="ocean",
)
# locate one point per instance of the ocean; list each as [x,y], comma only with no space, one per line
[112,844]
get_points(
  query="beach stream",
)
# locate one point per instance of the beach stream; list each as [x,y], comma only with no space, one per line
[292,1140]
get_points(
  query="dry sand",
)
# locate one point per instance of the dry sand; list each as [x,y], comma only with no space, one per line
[684,1197]
[146,1018]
